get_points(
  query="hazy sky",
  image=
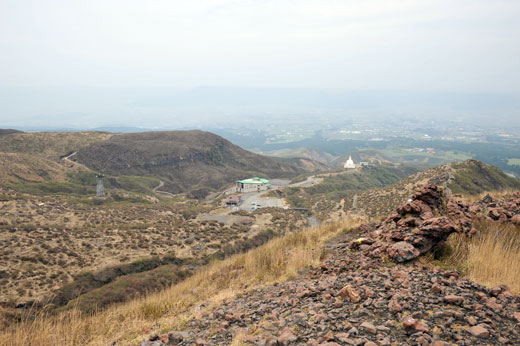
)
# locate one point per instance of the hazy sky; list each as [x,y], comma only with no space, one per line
[447,45]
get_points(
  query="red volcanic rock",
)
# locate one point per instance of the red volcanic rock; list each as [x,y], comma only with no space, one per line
[436,288]
[433,233]
[453,299]
[403,252]
[479,331]
[421,327]
[516,316]
[286,337]
[394,306]
[348,292]
[414,230]
[369,327]
[495,213]
[409,323]
[432,195]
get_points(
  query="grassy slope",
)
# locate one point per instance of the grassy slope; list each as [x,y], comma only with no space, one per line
[468,178]
[474,177]
[19,167]
[49,145]
[346,185]
[31,161]
[277,260]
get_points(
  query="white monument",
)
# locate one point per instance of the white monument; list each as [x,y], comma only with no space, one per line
[349,164]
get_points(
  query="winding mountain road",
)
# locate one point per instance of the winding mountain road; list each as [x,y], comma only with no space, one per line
[161,184]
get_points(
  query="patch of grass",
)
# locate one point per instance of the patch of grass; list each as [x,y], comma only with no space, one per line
[474,177]
[54,188]
[86,282]
[491,257]
[138,183]
[127,287]
[437,158]
[299,178]
[111,198]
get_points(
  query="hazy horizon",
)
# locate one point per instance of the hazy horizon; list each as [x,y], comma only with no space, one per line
[174,64]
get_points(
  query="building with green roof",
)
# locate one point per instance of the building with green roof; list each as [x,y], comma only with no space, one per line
[252,185]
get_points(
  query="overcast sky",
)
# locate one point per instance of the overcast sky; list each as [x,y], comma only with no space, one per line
[442,45]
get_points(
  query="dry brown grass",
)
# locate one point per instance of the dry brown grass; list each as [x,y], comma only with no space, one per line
[277,260]
[497,195]
[491,257]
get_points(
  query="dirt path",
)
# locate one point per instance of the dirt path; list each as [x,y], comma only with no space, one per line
[161,184]
[74,164]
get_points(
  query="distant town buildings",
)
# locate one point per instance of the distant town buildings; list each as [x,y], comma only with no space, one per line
[252,185]
[349,164]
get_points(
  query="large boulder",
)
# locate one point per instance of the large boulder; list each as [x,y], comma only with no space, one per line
[402,252]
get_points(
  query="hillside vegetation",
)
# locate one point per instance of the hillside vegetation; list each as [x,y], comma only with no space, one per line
[278,260]
[327,195]
[469,177]
[49,145]
[55,245]
[474,177]
[185,159]
[20,167]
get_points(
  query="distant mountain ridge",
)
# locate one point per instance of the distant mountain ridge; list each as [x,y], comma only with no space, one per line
[185,159]
[8,131]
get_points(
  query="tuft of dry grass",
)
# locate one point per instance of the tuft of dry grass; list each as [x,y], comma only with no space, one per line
[491,257]
[278,260]
[497,195]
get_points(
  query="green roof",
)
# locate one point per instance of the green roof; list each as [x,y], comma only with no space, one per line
[254,180]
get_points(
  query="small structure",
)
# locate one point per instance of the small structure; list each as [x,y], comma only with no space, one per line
[349,164]
[252,185]
[100,191]
[233,201]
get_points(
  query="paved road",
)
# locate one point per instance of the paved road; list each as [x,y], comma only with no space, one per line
[310,181]
[263,202]
[74,163]
[161,184]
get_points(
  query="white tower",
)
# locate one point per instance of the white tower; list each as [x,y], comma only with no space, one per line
[349,164]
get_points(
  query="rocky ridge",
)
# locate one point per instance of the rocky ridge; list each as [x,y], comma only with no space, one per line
[369,291]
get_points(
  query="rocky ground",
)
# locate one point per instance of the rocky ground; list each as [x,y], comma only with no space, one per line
[370,291]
